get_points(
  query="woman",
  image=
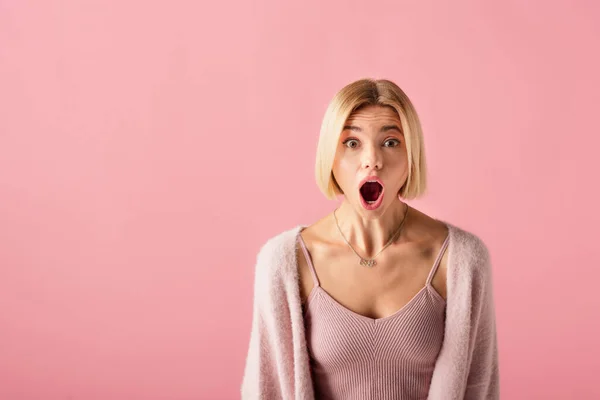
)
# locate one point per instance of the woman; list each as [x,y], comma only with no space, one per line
[376,300]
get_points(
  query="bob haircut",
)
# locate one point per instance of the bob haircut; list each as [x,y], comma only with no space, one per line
[351,98]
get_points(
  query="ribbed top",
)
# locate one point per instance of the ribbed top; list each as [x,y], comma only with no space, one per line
[356,357]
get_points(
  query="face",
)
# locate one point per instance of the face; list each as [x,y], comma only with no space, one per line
[371,144]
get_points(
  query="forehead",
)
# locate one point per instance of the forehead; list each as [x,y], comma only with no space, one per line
[374,115]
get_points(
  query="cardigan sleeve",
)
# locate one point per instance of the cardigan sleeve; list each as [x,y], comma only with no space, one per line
[483,375]
[260,380]
[277,364]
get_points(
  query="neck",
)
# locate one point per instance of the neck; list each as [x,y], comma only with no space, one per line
[369,235]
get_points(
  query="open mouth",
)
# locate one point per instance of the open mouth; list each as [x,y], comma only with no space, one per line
[371,191]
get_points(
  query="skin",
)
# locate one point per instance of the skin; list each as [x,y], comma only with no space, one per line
[370,145]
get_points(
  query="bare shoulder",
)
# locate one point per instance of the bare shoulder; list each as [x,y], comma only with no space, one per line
[433,233]
[303,269]
[433,230]
[313,238]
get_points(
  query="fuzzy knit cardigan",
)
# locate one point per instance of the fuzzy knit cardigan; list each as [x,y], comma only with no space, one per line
[277,363]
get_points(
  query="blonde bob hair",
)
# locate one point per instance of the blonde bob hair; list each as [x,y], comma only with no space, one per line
[349,99]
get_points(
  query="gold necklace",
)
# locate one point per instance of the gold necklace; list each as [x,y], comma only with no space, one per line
[371,262]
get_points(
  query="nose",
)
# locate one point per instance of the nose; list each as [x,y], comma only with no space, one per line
[371,158]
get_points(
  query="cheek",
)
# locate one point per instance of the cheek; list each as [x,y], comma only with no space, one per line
[397,161]
[342,170]
[346,162]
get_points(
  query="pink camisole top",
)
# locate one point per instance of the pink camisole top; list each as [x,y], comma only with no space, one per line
[357,357]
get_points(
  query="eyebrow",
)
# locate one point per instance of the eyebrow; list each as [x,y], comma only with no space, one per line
[384,128]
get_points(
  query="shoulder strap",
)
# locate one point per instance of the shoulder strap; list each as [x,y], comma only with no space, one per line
[438,259]
[308,259]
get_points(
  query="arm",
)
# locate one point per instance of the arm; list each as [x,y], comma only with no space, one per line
[483,380]
[260,380]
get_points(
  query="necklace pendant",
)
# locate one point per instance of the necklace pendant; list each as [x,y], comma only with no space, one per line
[367,263]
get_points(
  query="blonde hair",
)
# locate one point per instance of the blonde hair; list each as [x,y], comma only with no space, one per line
[349,99]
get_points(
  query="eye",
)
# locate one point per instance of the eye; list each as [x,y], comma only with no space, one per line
[393,140]
[396,141]
[350,140]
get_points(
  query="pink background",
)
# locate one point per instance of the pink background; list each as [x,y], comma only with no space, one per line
[148,149]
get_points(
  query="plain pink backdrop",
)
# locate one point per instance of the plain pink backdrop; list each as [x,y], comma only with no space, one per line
[148,149]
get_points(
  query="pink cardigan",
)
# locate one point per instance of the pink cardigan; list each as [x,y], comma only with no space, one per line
[277,363]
